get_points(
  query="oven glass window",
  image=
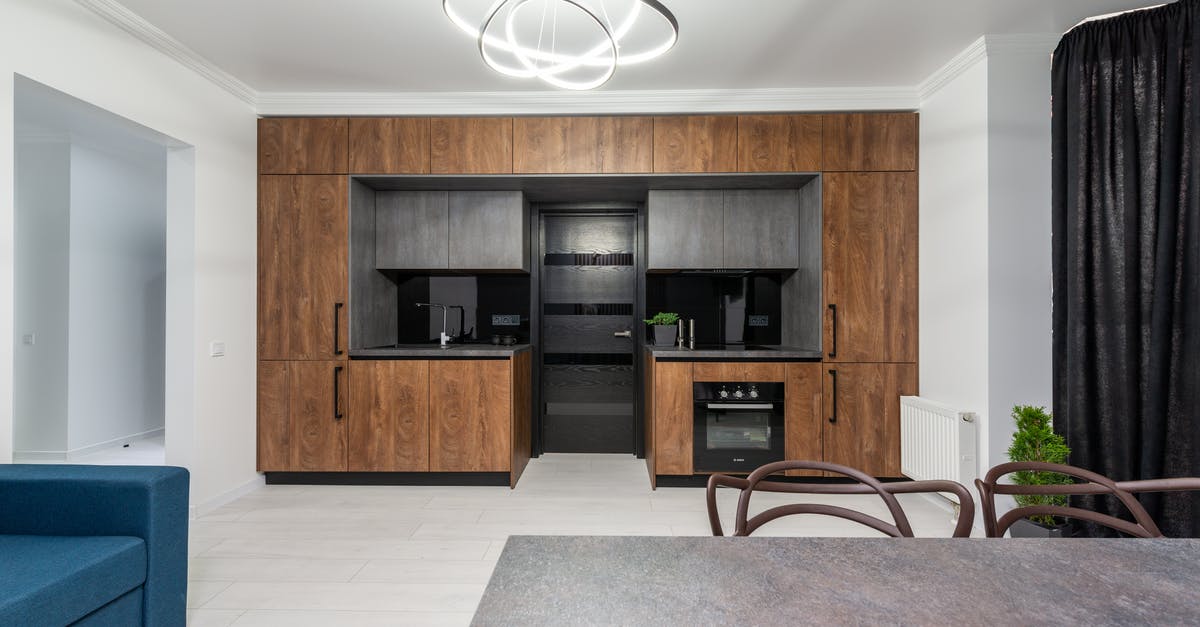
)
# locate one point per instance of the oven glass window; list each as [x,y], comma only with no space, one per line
[745,430]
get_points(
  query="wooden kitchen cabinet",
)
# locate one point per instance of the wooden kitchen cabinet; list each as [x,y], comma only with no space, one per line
[761,228]
[869,142]
[488,231]
[302,146]
[303,224]
[695,143]
[389,416]
[862,415]
[719,371]
[802,415]
[684,229]
[470,415]
[582,145]
[672,418]
[389,145]
[779,143]
[870,267]
[412,230]
[302,416]
[471,145]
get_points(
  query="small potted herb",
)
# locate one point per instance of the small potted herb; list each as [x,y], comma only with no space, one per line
[664,328]
[1036,441]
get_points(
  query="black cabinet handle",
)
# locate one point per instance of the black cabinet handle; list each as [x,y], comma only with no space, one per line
[337,405]
[337,324]
[833,342]
[833,375]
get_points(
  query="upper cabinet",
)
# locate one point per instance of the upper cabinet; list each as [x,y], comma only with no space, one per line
[582,145]
[695,143]
[762,228]
[412,230]
[779,143]
[869,142]
[471,145]
[440,230]
[683,229]
[706,229]
[389,145]
[302,146]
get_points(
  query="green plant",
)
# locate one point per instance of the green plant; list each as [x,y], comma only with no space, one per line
[663,317]
[1036,441]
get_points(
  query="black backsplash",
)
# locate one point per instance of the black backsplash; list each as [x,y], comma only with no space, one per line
[492,294]
[722,306]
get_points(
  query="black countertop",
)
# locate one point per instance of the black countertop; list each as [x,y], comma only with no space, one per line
[733,353]
[434,351]
[553,580]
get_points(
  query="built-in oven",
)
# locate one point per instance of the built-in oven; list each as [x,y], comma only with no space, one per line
[738,426]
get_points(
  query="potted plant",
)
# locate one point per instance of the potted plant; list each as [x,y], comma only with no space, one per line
[1036,441]
[664,328]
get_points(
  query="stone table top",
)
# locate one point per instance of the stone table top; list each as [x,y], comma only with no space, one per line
[554,580]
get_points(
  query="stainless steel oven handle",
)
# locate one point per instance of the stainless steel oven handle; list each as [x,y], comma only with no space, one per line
[740,406]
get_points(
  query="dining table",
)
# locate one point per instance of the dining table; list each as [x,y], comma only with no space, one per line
[641,580]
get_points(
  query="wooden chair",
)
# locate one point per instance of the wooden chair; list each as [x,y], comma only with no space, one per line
[899,527]
[1092,483]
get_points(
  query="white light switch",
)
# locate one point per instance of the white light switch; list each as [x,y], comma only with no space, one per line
[216,349]
[28,339]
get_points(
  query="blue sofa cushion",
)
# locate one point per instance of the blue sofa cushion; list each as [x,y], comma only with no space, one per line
[57,580]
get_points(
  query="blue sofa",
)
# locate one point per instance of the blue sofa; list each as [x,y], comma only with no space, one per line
[93,545]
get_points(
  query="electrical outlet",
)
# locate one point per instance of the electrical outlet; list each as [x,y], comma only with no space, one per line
[506,320]
[760,321]
[216,349]
[28,339]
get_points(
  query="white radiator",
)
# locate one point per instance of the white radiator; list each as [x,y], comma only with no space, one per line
[936,441]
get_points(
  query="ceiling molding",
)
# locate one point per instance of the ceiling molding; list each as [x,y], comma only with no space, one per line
[135,25]
[597,102]
[953,68]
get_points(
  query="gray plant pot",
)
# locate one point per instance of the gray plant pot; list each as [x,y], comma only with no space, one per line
[664,334]
[1026,528]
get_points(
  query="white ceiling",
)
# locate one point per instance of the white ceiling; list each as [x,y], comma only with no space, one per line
[391,46]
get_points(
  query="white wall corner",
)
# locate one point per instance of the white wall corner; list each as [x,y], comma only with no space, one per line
[1031,43]
[200,509]
[953,68]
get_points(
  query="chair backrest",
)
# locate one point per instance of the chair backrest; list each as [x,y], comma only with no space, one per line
[898,527]
[1143,525]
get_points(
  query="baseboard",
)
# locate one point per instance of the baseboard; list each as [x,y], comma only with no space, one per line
[227,497]
[39,457]
[75,454]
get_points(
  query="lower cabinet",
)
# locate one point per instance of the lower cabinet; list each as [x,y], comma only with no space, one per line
[862,414]
[672,418]
[470,404]
[802,415]
[389,409]
[302,416]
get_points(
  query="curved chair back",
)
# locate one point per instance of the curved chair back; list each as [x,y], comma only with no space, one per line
[898,527]
[1143,525]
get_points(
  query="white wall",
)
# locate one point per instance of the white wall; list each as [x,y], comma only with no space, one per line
[117,296]
[43,169]
[62,45]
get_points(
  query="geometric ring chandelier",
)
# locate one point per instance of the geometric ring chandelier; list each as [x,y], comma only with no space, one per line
[571,44]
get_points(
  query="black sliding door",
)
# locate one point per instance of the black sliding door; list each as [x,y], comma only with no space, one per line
[588,292]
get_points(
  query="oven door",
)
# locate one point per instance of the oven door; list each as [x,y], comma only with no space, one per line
[736,437]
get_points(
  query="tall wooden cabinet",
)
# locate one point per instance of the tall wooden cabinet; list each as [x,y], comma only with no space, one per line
[301,416]
[862,415]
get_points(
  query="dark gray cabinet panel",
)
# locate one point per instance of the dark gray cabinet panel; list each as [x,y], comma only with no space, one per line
[489,231]
[762,228]
[411,231]
[683,229]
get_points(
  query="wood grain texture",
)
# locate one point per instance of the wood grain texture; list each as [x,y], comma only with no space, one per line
[760,372]
[802,415]
[870,266]
[412,230]
[470,146]
[761,228]
[274,433]
[318,263]
[684,229]
[318,438]
[388,419]
[779,143]
[869,142]
[489,231]
[277,215]
[648,421]
[389,145]
[470,422]
[866,434]
[582,145]
[522,419]
[302,146]
[695,143]
[673,418]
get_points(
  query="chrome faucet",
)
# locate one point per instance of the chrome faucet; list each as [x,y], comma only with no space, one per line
[445,339]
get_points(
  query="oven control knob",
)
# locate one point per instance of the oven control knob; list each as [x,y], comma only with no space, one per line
[738,393]
[753,392]
[723,393]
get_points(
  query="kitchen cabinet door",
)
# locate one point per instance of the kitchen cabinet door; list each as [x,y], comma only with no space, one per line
[389,416]
[489,231]
[301,416]
[738,371]
[862,415]
[870,267]
[582,145]
[471,146]
[684,229]
[389,145]
[672,418]
[470,405]
[761,228]
[695,143]
[412,231]
[779,143]
[802,415]
[277,215]
[274,420]
[867,142]
[302,146]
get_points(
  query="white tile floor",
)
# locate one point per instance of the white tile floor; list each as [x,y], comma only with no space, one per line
[351,555]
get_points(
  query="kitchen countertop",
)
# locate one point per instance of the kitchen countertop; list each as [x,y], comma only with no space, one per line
[555,580]
[434,351]
[777,353]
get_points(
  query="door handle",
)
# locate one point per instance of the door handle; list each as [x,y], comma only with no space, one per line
[625,333]
[833,334]
[833,375]
[337,405]
[337,323]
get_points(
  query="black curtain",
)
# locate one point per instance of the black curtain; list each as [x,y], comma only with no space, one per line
[1127,252]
